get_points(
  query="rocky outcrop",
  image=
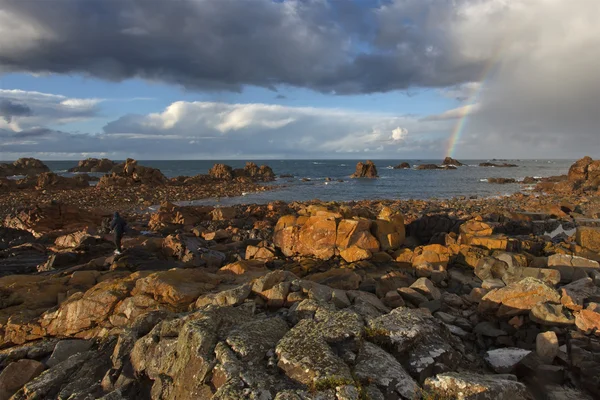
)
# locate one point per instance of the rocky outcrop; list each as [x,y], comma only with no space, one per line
[52,217]
[94,165]
[49,180]
[133,174]
[403,165]
[501,181]
[365,170]
[23,166]
[434,166]
[504,165]
[251,171]
[452,161]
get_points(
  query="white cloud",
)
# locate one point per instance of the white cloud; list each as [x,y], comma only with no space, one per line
[455,113]
[399,134]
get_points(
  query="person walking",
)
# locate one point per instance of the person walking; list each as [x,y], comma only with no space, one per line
[118,226]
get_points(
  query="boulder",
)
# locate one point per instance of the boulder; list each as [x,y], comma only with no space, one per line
[427,166]
[434,254]
[365,170]
[17,374]
[55,216]
[66,348]
[501,181]
[356,232]
[94,165]
[518,298]
[588,321]
[133,174]
[572,267]
[546,346]
[551,314]
[49,180]
[575,294]
[452,161]
[221,172]
[23,166]
[579,170]
[354,254]
[403,165]
[474,228]
[505,360]
[588,237]
[375,366]
[470,386]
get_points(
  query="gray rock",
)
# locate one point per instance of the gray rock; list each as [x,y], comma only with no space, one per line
[488,329]
[426,288]
[412,296]
[505,360]
[375,365]
[469,386]
[17,374]
[66,348]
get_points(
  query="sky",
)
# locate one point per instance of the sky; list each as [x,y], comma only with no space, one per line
[284,79]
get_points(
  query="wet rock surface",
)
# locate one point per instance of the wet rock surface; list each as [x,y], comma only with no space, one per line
[384,300]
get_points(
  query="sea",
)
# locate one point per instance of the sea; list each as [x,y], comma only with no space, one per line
[329,180]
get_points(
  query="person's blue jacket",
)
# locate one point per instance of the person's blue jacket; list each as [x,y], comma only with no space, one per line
[118,224]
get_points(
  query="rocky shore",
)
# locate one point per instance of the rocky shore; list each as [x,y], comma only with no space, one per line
[128,187]
[440,299]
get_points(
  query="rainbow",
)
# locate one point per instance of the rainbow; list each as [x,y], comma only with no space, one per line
[473,99]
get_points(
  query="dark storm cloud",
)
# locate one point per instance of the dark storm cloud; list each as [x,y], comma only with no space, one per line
[10,109]
[337,46]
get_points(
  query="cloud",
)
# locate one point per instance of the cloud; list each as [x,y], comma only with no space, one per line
[220,130]
[24,110]
[9,109]
[328,46]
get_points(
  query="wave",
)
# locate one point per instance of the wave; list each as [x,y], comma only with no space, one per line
[343,165]
[389,167]
[483,180]
[318,163]
[472,165]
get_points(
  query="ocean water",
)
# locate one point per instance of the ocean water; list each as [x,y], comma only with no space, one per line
[469,180]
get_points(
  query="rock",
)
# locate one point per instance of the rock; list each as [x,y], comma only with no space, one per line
[588,321]
[305,352]
[501,181]
[94,165]
[374,365]
[17,374]
[133,174]
[49,180]
[572,267]
[435,254]
[51,217]
[354,254]
[65,349]
[551,314]
[474,228]
[504,361]
[177,287]
[316,237]
[427,166]
[426,288]
[470,386]
[588,237]
[417,336]
[356,232]
[253,340]
[221,172]
[452,161]
[403,165]
[365,170]
[574,295]
[224,213]
[518,298]
[412,296]
[23,166]
[579,170]
[489,329]
[505,165]
[546,346]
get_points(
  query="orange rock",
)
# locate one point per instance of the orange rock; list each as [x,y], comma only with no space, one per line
[518,298]
[356,232]
[588,237]
[435,254]
[588,321]
[317,238]
[245,267]
[354,253]
[474,228]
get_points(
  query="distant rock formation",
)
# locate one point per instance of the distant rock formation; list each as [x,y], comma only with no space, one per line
[452,161]
[133,174]
[403,165]
[94,165]
[505,165]
[365,170]
[251,171]
[23,166]
[501,180]
[434,166]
